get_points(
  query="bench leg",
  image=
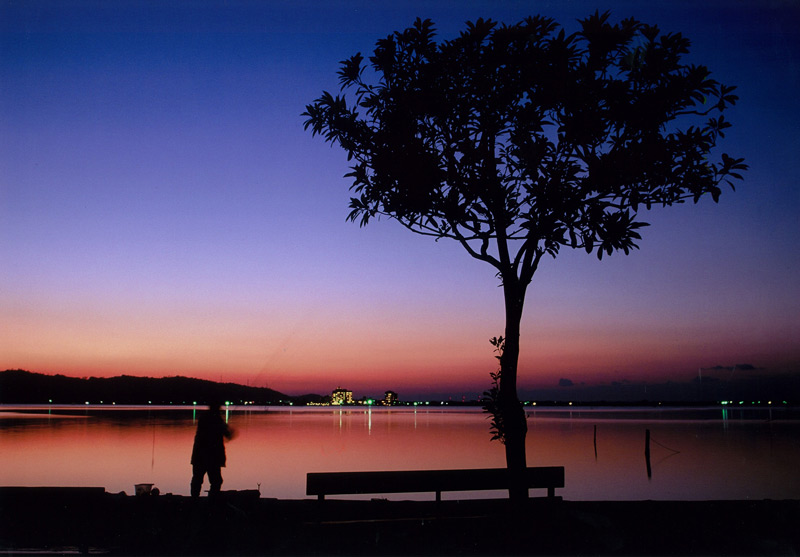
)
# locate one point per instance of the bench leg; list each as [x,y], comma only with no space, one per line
[438,496]
[551,492]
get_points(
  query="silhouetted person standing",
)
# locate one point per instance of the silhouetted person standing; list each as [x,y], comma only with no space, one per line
[208,452]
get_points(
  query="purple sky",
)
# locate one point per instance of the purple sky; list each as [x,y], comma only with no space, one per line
[163,212]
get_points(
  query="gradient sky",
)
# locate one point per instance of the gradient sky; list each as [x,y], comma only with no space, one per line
[163,212]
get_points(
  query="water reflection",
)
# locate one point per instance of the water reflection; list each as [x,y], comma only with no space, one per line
[692,456]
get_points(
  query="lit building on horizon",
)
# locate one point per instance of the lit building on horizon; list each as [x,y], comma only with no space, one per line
[389,398]
[341,396]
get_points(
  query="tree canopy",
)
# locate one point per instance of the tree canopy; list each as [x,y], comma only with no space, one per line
[525,134]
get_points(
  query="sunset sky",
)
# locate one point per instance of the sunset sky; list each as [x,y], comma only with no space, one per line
[163,212]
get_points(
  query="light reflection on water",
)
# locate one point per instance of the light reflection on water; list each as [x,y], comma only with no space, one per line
[696,454]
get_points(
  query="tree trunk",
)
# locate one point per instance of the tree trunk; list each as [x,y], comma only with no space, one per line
[511,408]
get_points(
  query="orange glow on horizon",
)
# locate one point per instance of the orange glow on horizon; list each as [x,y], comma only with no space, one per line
[325,348]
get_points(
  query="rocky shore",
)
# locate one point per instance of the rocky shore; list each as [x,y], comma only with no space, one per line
[89,520]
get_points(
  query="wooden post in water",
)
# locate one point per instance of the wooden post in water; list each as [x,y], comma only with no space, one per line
[595,441]
[647,452]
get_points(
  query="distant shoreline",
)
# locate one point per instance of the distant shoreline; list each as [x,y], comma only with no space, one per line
[25,387]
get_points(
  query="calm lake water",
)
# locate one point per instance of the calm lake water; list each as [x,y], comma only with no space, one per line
[696,454]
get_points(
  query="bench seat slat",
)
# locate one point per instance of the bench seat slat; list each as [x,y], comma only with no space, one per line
[420,481]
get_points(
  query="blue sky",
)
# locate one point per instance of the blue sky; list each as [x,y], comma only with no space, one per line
[163,212]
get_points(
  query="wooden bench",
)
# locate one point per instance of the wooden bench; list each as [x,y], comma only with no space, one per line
[422,481]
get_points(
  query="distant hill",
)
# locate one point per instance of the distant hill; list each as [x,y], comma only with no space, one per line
[24,387]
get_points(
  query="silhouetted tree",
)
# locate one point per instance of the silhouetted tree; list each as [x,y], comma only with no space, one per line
[519,140]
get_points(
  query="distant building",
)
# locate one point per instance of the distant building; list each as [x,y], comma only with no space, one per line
[342,396]
[390,398]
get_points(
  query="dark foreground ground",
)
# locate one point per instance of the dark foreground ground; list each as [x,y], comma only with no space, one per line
[72,520]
